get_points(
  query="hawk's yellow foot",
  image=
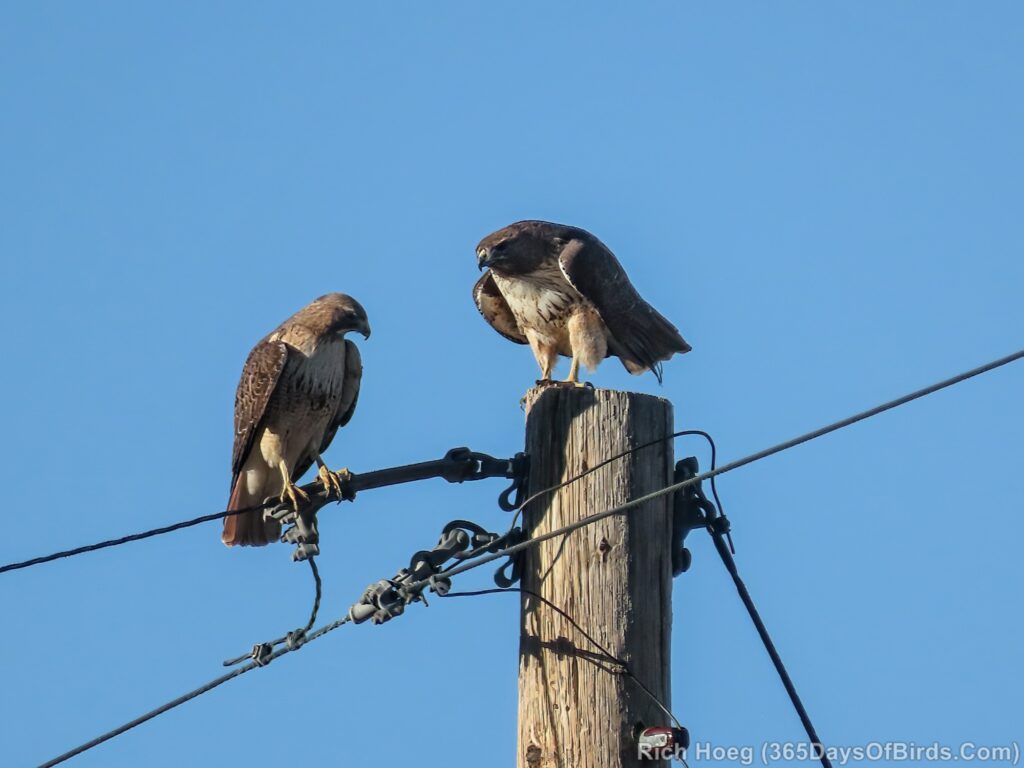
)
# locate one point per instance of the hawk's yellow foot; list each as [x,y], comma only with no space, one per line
[574,377]
[292,493]
[331,481]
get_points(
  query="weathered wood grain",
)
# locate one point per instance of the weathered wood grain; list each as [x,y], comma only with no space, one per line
[577,710]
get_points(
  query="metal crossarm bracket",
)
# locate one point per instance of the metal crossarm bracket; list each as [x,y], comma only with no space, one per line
[692,510]
[459,465]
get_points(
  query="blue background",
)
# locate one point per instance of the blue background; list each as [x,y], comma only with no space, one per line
[825,199]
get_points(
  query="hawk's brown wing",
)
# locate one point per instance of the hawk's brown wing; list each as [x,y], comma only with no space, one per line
[259,378]
[641,337]
[495,309]
[346,405]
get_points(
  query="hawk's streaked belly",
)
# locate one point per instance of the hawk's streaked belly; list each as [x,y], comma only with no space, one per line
[554,317]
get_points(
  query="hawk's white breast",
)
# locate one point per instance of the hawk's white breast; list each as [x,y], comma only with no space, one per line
[541,301]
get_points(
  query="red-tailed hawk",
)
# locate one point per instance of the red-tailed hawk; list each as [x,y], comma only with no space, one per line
[299,384]
[563,292]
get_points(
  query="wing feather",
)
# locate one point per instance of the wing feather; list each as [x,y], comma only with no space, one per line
[641,336]
[495,309]
[260,376]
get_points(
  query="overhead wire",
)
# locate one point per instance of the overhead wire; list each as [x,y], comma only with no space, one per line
[565,615]
[796,441]
[125,539]
[485,558]
[725,468]
[773,653]
[190,695]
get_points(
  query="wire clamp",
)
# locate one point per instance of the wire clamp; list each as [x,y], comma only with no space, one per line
[439,585]
[380,603]
[484,541]
[303,531]
[692,510]
[261,653]
[466,465]
[514,564]
[295,640]
[720,526]
[511,498]
[460,540]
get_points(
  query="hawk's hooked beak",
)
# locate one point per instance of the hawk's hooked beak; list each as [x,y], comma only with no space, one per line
[482,259]
[364,329]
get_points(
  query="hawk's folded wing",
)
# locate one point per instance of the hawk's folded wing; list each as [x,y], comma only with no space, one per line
[641,336]
[259,379]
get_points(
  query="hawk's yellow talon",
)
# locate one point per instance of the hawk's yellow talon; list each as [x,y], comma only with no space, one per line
[293,493]
[331,481]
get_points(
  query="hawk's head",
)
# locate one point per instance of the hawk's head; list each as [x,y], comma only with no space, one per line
[521,248]
[339,313]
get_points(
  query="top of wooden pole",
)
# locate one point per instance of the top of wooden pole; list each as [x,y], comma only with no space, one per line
[579,394]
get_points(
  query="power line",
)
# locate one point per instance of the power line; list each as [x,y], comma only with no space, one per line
[711,474]
[124,539]
[320,633]
[804,438]
[457,466]
[769,646]
[702,512]
[483,559]
[608,655]
[605,462]
[718,535]
[191,695]
[260,651]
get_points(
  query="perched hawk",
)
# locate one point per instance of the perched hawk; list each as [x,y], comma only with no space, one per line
[560,290]
[299,384]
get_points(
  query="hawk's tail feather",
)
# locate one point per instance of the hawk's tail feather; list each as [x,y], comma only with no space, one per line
[651,340]
[248,529]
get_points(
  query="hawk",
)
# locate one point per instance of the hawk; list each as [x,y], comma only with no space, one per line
[563,292]
[298,386]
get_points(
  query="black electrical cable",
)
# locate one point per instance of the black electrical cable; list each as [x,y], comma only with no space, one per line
[711,474]
[762,631]
[506,551]
[605,462]
[831,428]
[565,615]
[190,695]
[125,539]
[719,529]
[292,638]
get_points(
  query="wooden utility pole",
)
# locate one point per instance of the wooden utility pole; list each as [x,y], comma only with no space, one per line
[576,709]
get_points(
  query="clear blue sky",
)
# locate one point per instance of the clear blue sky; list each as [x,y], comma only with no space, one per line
[825,199]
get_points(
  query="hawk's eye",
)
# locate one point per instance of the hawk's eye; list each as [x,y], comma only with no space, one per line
[499,247]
